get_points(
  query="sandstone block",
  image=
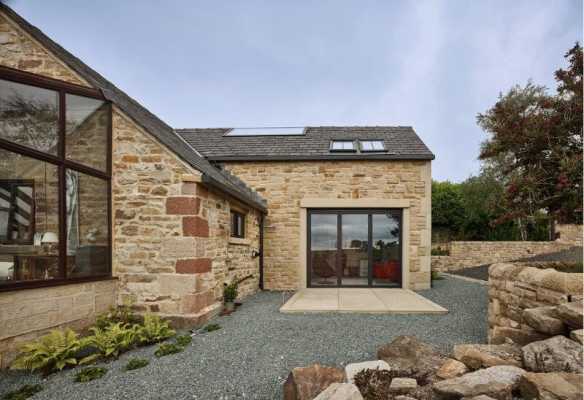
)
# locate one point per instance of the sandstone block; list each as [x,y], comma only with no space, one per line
[182,206]
[193,266]
[571,313]
[403,385]
[543,319]
[306,383]
[451,369]
[551,386]
[577,335]
[195,226]
[477,356]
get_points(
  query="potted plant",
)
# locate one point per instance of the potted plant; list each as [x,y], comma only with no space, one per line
[229,296]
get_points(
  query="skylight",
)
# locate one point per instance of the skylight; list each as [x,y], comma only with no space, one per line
[371,145]
[342,145]
[266,131]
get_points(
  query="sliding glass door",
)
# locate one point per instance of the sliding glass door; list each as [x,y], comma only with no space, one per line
[354,248]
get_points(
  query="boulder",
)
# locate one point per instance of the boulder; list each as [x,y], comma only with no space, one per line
[451,369]
[403,385]
[551,386]
[403,397]
[544,320]
[498,382]
[407,356]
[557,354]
[481,397]
[306,383]
[571,314]
[353,369]
[477,356]
[521,336]
[577,335]
[340,391]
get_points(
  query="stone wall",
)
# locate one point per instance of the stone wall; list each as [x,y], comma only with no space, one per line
[27,314]
[285,184]
[472,254]
[569,233]
[172,249]
[514,287]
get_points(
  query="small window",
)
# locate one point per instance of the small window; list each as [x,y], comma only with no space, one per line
[372,145]
[237,224]
[342,145]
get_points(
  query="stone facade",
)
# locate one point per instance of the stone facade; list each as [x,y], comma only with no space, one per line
[472,254]
[284,184]
[569,233]
[28,314]
[514,287]
[172,250]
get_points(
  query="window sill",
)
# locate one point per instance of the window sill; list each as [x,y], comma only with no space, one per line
[239,241]
[54,282]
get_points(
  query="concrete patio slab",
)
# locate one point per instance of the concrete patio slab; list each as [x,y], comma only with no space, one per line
[361,300]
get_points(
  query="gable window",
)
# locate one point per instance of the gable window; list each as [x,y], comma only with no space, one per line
[55,173]
[371,145]
[237,225]
[343,146]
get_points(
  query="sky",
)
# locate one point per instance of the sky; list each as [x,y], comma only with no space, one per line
[433,65]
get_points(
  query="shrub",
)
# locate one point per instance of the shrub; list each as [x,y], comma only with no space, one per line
[184,340]
[123,314]
[23,393]
[111,341]
[212,327]
[50,353]
[136,363]
[168,348]
[439,251]
[89,374]
[154,330]
[230,292]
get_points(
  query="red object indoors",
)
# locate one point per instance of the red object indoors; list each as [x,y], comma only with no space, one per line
[387,270]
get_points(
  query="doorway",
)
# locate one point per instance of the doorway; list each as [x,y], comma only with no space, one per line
[354,248]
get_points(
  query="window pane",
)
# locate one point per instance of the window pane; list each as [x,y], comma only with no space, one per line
[29,223]
[323,249]
[87,129]
[386,250]
[87,225]
[372,145]
[343,145]
[29,116]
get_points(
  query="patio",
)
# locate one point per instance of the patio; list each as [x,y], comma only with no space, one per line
[356,300]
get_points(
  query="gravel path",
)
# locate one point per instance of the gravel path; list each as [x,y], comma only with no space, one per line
[251,356]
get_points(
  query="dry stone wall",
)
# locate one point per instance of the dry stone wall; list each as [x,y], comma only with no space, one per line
[514,287]
[285,184]
[471,254]
[569,233]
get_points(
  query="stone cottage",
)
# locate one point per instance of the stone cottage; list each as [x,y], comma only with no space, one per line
[102,203]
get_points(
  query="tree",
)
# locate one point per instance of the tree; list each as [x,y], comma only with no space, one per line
[447,209]
[536,144]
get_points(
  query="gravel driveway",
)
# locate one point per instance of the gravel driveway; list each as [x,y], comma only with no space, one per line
[251,356]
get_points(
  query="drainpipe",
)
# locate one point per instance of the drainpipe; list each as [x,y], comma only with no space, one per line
[261,250]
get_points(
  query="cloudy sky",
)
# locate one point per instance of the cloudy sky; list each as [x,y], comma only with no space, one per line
[429,64]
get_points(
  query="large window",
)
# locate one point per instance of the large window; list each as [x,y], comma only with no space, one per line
[55,142]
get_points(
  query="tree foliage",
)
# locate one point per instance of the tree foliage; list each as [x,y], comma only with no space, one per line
[535,146]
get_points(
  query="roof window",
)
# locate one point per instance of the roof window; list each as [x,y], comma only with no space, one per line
[343,146]
[371,145]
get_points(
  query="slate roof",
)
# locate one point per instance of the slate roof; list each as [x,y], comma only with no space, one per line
[401,143]
[148,121]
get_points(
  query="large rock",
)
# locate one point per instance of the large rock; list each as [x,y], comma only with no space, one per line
[477,356]
[403,385]
[306,383]
[557,354]
[498,382]
[481,397]
[353,369]
[451,369]
[522,336]
[551,386]
[407,356]
[340,391]
[577,335]
[544,320]
[571,313]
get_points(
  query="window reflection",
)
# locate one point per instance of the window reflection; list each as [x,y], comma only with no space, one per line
[29,116]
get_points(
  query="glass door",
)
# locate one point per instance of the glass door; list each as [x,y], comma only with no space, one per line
[354,248]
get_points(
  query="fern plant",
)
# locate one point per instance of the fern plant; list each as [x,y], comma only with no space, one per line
[154,330]
[50,353]
[111,341]
[90,374]
[123,314]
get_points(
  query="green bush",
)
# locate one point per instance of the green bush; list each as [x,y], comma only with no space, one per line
[23,393]
[168,348]
[123,314]
[154,330]
[111,341]
[136,363]
[184,340]
[230,292]
[212,327]
[50,353]
[89,374]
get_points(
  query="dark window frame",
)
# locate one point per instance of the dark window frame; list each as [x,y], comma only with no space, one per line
[62,164]
[237,221]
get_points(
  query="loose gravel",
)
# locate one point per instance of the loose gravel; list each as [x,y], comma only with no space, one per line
[251,356]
